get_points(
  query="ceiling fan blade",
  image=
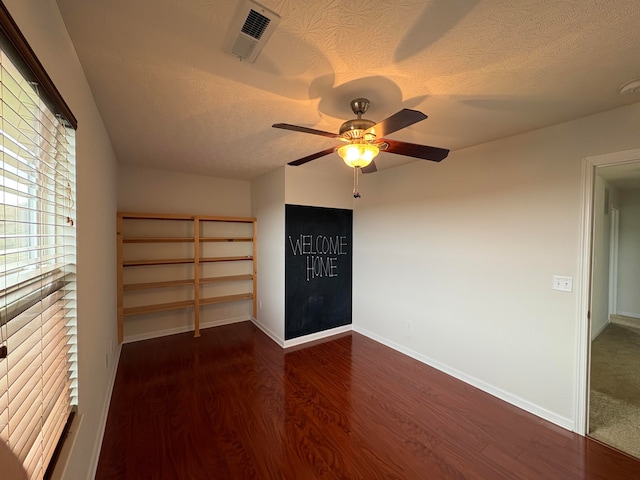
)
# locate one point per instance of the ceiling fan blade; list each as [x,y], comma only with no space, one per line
[397,121]
[313,156]
[297,128]
[424,152]
[371,168]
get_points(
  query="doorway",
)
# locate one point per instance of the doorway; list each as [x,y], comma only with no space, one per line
[607,408]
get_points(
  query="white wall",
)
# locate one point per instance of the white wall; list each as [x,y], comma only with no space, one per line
[629,254]
[453,262]
[157,191]
[42,25]
[601,256]
[267,205]
[306,186]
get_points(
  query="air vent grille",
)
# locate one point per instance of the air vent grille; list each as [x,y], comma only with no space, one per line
[243,47]
[255,25]
[251,27]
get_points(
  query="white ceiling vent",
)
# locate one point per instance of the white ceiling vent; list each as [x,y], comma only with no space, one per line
[251,27]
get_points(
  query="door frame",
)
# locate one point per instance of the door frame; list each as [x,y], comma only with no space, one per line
[613,260]
[589,164]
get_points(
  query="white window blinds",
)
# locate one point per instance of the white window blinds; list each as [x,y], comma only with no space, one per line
[37,284]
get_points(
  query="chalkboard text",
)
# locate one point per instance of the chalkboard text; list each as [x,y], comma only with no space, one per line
[318,245]
[321,252]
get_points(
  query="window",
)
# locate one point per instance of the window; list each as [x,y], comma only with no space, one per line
[37,278]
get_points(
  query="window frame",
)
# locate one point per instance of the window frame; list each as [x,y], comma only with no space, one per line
[49,290]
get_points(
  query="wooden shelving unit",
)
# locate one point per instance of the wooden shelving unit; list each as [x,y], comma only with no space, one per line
[141,247]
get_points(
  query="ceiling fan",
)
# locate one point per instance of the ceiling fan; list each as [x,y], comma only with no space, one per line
[364,139]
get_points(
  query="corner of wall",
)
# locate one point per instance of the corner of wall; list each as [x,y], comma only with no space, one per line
[267,206]
[306,186]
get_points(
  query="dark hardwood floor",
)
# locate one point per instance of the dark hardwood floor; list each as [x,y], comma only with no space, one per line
[233,405]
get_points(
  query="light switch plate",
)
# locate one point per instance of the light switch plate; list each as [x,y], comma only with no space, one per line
[564,284]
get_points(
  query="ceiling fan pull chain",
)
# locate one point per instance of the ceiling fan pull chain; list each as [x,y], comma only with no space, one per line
[356,193]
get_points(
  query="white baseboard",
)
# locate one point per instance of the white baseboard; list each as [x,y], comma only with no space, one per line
[316,336]
[626,320]
[541,412]
[626,314]
[173,331]
[72,436]
[300,340]
[95,456]
[268,332]
[597,332]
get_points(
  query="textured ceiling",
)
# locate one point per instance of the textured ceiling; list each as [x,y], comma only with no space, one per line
[481,69]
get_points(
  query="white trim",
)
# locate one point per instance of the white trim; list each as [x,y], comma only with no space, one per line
[615,158]
[613,260]
[268,332]
[583,296]
[300,340]
[187,328]
[595,333]
[628,314]
[60,470]
[626,320]
[317,336]
[95,455]
[537,410]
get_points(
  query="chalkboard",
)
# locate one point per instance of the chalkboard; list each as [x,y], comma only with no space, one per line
[318,268]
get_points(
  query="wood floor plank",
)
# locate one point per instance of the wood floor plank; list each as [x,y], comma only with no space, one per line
[232,404]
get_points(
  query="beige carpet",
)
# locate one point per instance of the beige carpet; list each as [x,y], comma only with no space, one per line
[614,410]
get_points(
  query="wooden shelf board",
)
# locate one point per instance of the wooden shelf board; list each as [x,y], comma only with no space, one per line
[164,261]
[158,307]
[226,298]
[148,285]
[226,239]
[227,278]
[158,240]
[171,216]
[154,216]
[206,218]
[225,259]
[184,239]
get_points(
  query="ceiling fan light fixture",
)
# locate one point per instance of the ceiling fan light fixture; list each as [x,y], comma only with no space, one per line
[358,155]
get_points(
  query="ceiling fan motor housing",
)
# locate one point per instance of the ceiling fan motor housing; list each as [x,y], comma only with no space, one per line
[354,129]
